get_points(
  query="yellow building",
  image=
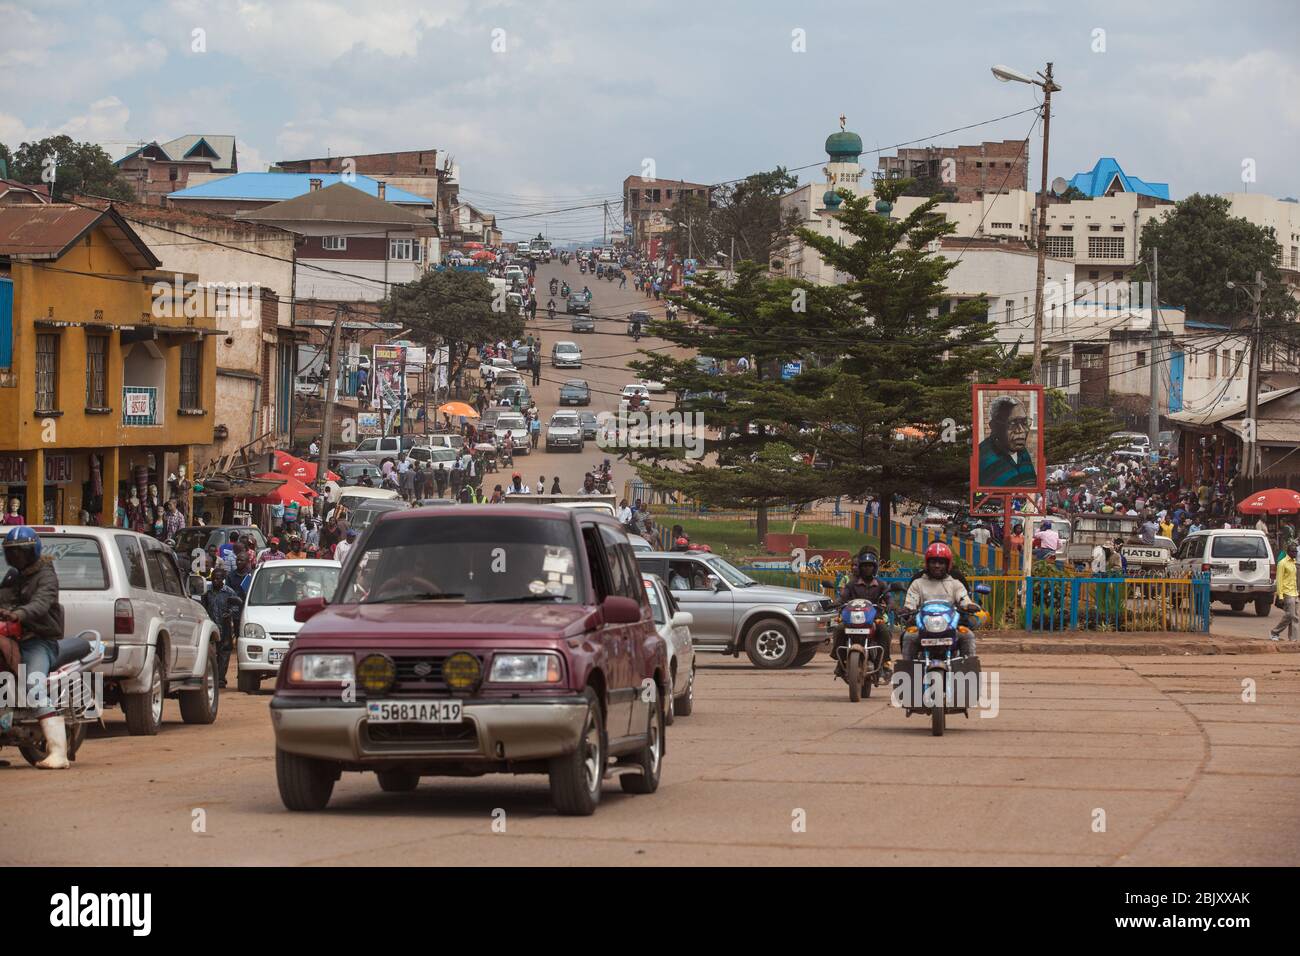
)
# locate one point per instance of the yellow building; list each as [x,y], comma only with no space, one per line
[107,366]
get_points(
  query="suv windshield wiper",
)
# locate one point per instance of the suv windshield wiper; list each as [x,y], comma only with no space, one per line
[521,599]
[415,596]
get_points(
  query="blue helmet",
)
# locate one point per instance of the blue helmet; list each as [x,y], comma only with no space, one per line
[22,540]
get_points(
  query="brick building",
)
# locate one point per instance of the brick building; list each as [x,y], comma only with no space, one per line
[974,171]
[158,169]
[647,204]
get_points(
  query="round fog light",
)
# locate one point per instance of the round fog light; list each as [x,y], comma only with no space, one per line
[462,671]
[376,673]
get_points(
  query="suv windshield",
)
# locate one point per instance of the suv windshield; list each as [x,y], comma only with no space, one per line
[729,573]
[288,585]
[478,559]
[1238,546]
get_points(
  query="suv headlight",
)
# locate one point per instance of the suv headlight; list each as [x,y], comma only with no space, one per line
[254,632]
[322,669]
[808,607]
[526,669]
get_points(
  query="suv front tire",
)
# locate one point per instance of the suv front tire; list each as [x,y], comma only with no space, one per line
[771,644]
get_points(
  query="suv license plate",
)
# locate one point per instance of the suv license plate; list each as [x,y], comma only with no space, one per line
[414,711]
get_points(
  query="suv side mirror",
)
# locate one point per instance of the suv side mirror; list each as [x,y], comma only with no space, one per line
[306,609]
[617,609]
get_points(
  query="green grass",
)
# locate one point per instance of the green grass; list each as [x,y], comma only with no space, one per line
[738,538]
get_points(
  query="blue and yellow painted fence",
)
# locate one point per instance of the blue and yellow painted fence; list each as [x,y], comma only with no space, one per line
[915,540]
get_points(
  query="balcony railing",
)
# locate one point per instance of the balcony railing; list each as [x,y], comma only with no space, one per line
[139,405]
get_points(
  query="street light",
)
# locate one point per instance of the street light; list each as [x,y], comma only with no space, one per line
[1048,86]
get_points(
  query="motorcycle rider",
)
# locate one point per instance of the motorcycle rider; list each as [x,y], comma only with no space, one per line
[29,595]
[865,586]
[550,308]
[937,583]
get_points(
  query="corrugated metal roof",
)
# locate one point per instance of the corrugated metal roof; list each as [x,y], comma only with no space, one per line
[281,186]
[1096,181]
[1221,413]
[338,203]
[1269,431]
[37,231]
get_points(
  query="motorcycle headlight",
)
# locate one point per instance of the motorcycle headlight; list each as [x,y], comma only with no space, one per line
[525,669]
[254,632]
[936,624]
[322,669]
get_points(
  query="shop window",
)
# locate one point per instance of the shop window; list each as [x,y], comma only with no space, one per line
[96,364]
[47,372]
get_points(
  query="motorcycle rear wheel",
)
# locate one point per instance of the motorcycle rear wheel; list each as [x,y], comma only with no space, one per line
[34,753]
[853,674]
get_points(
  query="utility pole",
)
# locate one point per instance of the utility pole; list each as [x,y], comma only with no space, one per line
[1153,420]
[604,226]
[1048,87]
[1252,383]
[331,395]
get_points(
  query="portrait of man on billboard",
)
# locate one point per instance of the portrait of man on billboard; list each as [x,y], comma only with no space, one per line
[1006,453]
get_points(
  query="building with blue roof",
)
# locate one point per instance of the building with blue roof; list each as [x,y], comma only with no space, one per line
[245,192]
[1107,178]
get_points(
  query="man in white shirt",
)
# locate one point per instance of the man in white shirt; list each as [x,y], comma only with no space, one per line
[313,449]
[624,513]
[343,547]
[980,534]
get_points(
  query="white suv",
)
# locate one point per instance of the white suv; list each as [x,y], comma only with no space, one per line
[1240,564]
[159,642]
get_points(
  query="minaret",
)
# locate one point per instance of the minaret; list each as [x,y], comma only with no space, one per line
[842,169]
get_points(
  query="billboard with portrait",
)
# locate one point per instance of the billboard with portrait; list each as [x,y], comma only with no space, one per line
[1007,438]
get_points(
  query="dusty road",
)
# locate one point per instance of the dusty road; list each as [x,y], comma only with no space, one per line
[1185,772]
[605,354]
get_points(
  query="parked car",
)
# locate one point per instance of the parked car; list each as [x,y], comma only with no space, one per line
[426,663]
[639,543]
[190,541]
[674,626]
[365,514]
[590,425]
[582,322]
[352,472]
[268,627]
[564,431]
[1240,563]
[575,392]
[373,451]
[160,643]
[442,441]
[566,355]
[520,392]
[776,627]
[351,498]
[507,380]
[654,386]
[432,457]
[521,357]
[514,424]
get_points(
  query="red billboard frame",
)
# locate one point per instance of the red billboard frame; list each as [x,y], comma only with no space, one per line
[1035,393]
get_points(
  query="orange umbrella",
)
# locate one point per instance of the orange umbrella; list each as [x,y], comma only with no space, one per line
[473,245]
[291,490]
[299,468]
[457,408]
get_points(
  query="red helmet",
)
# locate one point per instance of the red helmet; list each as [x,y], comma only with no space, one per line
[938,551]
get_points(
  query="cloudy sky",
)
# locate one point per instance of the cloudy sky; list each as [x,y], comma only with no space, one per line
[548,104]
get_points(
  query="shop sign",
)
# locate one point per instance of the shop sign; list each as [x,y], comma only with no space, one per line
[58,470]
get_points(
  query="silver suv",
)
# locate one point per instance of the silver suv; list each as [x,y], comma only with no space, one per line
[1239,561]
[159,642]
[777,627]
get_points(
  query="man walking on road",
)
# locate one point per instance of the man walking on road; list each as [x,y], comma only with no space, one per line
[1286,597]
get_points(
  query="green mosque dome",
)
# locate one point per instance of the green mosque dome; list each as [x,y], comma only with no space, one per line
[844,147]
[831,199]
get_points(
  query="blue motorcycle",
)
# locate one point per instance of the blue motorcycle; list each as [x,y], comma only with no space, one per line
[941,681]
[861,662]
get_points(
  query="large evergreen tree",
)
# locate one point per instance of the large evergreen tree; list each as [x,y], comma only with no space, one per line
[78,168]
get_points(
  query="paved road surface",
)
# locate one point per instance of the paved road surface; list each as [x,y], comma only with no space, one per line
[1184,770]
[605,354]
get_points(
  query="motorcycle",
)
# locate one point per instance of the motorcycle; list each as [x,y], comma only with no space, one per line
[862,663]
[941,681]
[582,267]
[555,285]
[603,476]
[70,694]
[564,291]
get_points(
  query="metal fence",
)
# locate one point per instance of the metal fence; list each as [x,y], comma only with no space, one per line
[1054,604]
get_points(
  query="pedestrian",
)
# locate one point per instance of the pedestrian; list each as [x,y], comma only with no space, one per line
[1285,597]
[555,486]
[344,546]
[535,431]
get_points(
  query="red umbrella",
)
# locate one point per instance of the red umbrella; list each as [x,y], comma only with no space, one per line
[299,468]
[291,490]
[1273,501]
[483,254]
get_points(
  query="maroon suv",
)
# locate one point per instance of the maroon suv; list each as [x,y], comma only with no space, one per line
[472,640]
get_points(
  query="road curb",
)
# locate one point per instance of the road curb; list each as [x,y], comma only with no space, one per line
[1138,645]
